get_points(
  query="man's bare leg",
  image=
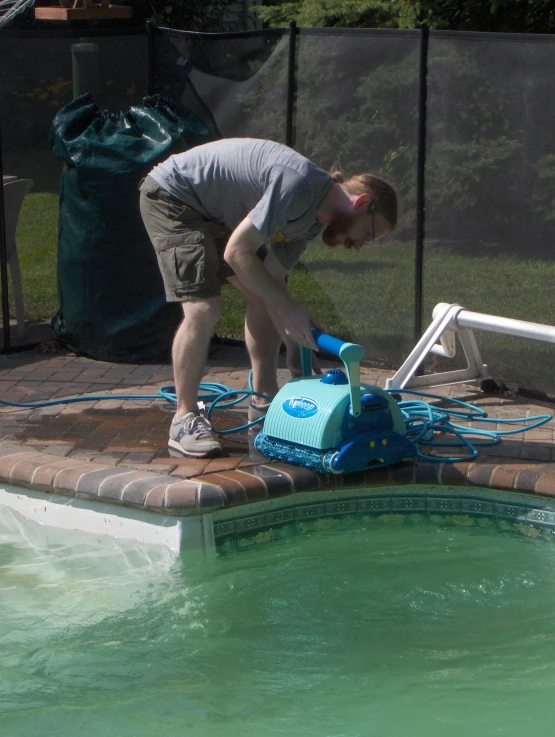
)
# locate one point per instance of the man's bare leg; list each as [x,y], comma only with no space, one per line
[190,350]
[293,359]
[191,433]
[263,343]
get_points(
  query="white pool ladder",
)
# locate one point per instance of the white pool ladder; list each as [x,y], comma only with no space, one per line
[448,322]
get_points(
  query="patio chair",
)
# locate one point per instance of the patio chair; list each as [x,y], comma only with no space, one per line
[14,192]
[10,8]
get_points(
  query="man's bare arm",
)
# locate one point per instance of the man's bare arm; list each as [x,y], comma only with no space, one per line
[240,254]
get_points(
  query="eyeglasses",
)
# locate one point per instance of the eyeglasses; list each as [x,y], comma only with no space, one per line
[370,233]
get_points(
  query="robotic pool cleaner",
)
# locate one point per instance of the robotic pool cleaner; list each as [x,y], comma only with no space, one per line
[332,423]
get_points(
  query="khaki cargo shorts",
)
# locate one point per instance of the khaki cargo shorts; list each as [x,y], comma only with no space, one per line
[189,248]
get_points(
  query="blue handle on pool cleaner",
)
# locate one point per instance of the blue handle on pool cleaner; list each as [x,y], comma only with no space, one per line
[347,352]
[327,342]
[351,354]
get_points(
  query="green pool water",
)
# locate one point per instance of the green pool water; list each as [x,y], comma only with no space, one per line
[380,626]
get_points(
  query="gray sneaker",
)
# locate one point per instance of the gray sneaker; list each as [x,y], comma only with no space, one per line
[190,437]
[257,412]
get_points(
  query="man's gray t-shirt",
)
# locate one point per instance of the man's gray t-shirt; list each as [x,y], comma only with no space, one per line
[280,190]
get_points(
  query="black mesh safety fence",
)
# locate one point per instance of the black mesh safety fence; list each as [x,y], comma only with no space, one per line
[490,190]
[36,82]
[354,103]
[357,111]
[236,83]
[36,79]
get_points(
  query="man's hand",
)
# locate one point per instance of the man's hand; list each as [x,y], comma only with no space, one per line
[296,323]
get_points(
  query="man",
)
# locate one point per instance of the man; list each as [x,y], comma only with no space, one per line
[208,212]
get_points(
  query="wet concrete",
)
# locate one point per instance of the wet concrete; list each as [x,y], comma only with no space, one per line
[141,430]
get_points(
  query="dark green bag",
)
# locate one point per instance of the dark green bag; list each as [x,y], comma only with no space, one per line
[112,305]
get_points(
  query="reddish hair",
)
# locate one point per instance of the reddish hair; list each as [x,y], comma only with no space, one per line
[384,198]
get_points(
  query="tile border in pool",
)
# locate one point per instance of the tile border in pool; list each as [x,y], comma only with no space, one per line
[509,506]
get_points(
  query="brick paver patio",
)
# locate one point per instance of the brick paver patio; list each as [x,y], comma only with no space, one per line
[115,449]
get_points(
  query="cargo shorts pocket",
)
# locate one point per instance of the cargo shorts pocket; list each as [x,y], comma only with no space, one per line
[182,260]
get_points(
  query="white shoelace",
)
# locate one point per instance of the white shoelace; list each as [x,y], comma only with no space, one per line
[199,427]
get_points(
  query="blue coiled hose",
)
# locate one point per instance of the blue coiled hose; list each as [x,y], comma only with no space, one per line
[425,421]
[211,394]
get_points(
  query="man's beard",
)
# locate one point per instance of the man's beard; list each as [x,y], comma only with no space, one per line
[335,231]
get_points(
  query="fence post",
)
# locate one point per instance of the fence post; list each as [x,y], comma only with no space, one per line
[420,180]
[289,135]
[85,69]
[4,262]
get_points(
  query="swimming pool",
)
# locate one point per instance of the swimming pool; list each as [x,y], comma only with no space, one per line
[338,625]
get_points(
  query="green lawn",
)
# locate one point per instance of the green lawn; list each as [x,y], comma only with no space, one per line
[366,297]
[37,236]
[37,244]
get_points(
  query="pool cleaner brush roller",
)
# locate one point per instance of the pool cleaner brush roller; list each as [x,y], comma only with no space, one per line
[333,423]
